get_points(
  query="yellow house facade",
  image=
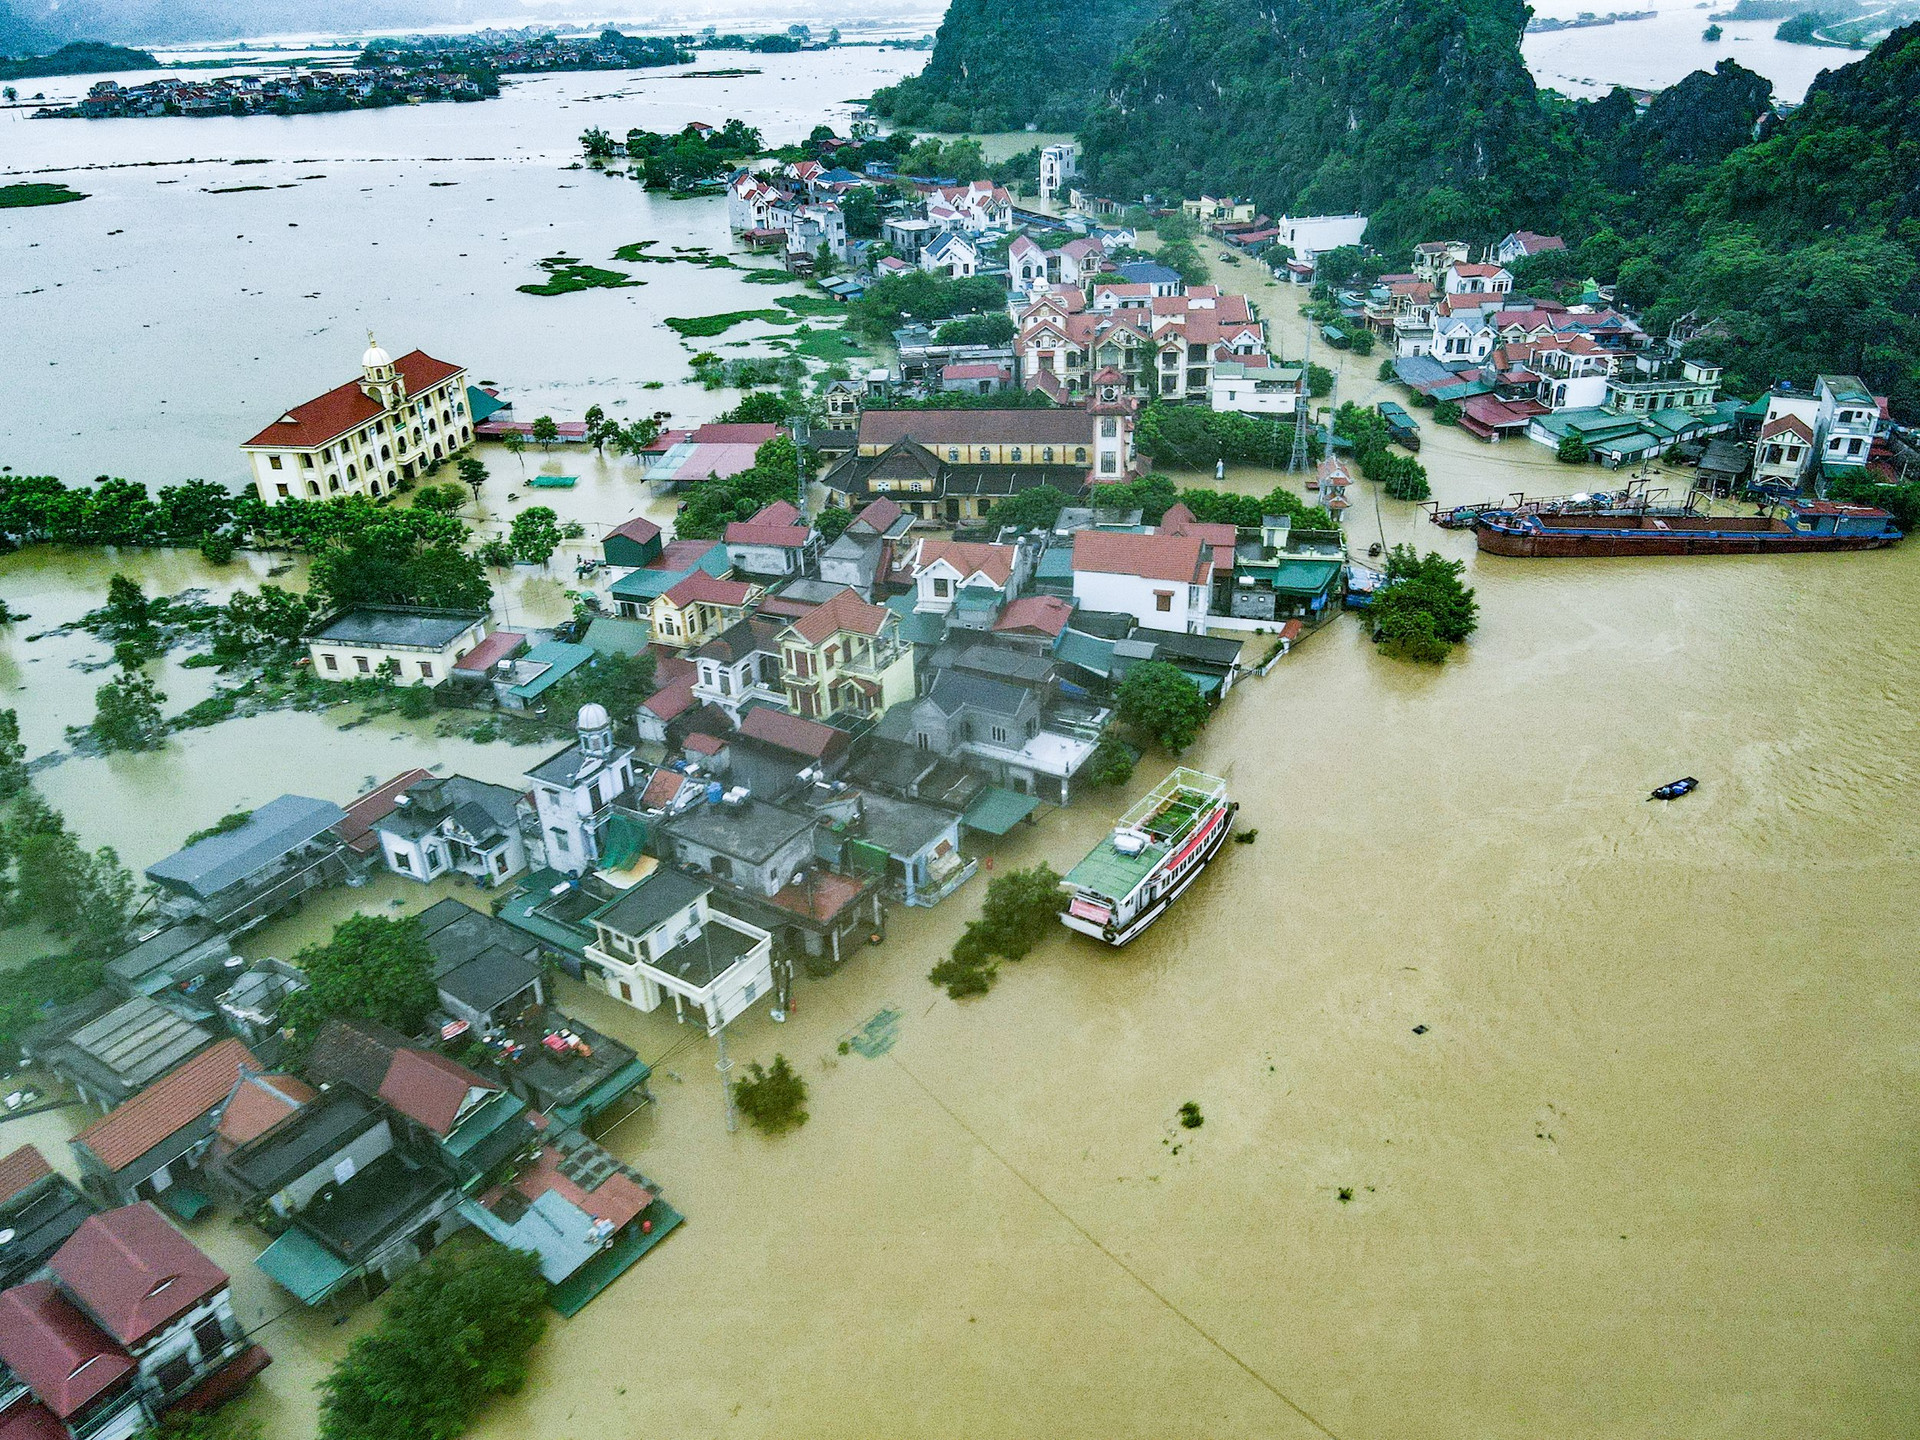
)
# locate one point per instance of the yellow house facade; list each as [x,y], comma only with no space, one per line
[846,655]
[415,647]
[698,608]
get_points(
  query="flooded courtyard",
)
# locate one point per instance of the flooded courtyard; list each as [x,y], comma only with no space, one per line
[1530,1107]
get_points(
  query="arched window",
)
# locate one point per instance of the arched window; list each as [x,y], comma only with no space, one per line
[1080,454]
[953,452]
[986,455]
[1014,454]
[312,489]
[373,487]
[1047,454]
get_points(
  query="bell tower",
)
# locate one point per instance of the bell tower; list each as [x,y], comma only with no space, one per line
[1112,410]
[383,384]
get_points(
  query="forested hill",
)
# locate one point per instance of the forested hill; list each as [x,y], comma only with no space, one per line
[1422,115]
[1001,64]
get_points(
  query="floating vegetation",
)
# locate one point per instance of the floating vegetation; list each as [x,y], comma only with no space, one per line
[19,197]
[565,275]
[704,326]
[770,277]
[1190,1116]
[235,189]
[831,346]
[636,254]
[810,305]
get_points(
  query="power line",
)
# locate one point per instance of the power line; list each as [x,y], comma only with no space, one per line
[1126,1269]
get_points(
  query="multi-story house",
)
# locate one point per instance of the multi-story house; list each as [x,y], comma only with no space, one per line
[363,438]
[1788,440]
[1432,258]
[453,825]
[1059,168]
[776,544]
[1850,419]
[979,206]
[941,573]
[1524,243]
[1162,346]
[691,611]
[845,656]
[662,939]
[1164,581]
[809,227]
[130,1321]
[951,255]
[1464,278]
[574,791]
[740,667]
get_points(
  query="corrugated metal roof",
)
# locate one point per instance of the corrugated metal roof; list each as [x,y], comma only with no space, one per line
[209,866]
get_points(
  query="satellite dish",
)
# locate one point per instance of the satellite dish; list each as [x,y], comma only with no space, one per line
[5,1236]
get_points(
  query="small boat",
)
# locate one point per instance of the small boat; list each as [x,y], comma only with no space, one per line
[1674,789]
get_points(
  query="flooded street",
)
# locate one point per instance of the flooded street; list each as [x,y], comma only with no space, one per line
[1646,1170]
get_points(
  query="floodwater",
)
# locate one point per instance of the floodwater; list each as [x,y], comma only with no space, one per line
[1646,1169]
[1652,54]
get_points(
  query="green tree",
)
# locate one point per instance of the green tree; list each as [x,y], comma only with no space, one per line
[1361,341]
[516,444]
[401,561]
[1033,509]
[597,144]
[545,431]
[600,429]
[13,756]
[127,713]
[1158,702]
[473,474]
[1111,763]
[535,534]
[445,499]
[1422,608]
[1446,412]
[772,1098]
[84,899]
[832,523]
[457,1331]
[1020,909]
[1572,450]
[373,968]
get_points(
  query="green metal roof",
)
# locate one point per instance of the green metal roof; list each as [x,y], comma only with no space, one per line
[649,583]
[917,629]
[1107,872]
[302,1265]
[482,406]
[1089,652]
[996,810]
[560,657]
[608,636]
[621,1082]
[572,1294]
[518,912]
[1296,576]
[483,1123]
[1056,563]
[1755,409]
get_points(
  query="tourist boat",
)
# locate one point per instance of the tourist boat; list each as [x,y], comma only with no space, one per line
[1674,789]
[1155,852]
[1799,525]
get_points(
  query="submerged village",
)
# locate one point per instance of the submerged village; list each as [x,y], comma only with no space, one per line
[911,596]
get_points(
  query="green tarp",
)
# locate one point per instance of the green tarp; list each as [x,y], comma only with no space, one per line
[304,1266]
[553,482]
[866,859]
[997,810]
[184,1200]
[626,841]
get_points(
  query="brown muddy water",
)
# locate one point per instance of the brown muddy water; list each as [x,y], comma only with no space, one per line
[1648,1169]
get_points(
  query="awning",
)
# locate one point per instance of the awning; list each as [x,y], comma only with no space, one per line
[304,1266]
[998,810]
[184,1201]
[615,1087]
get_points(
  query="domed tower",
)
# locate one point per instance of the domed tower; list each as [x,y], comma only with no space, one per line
[596,731]
[381,382]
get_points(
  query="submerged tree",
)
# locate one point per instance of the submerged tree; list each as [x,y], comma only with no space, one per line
[372,969]
[772,1098]
[1159,703]
[127,713]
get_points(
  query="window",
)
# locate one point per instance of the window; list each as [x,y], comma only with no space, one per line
[1000,733]
[986,455]
[953,452]
[1047,454]
[426,670]
[284,492]
[273,462]
[1080,454]
[720,867]
[942,587]
[559,839]
[306,462]
[1109,427]
[1163,601]
[176,1373]
[210,1336]
[360,662]
[1014,455]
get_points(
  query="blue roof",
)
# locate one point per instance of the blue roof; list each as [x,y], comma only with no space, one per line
[1145,272]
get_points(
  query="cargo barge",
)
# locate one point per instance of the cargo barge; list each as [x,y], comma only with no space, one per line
[1799,525]
[1158,848]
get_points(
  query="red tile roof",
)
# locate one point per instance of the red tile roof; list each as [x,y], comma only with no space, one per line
[30,1420]
[22,1168]
[259,1103]
[681,554]
[775,524]
[673,698]
[356,829]
[663,789]
[980,371]
[133,1273]
[845,611]
[880,514]
[429,1088]
[966,557]
[822,896]
[167,1106]
[64,1357]
[346,406]
[1181,558]
[1047,614]
[639,530]
[703,744]
[498,646]
[617,1198]
[791,732]
[734,434]
[702,588]
[1785,425]
[1477,272]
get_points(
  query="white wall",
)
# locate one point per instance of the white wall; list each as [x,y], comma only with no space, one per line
[1135,596]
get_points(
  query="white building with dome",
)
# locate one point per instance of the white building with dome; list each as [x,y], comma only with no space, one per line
[395,422]
[574,792]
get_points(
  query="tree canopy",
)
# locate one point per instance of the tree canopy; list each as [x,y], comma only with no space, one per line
[373,968]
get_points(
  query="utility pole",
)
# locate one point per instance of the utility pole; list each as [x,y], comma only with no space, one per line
[1302,412]
[725,1066]
[802,432]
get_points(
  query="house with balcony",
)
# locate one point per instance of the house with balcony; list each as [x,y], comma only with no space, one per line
[1464,278]
[414,646]
[864,551]
[131,1321]
[1433,258]
[661,939]
[1783,456]
[844,656]
[699,607]
[453,825]
[760,857]
[243,877]
[912,846]
[574,791]
[995,726]
[740,667]
[1851,420]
